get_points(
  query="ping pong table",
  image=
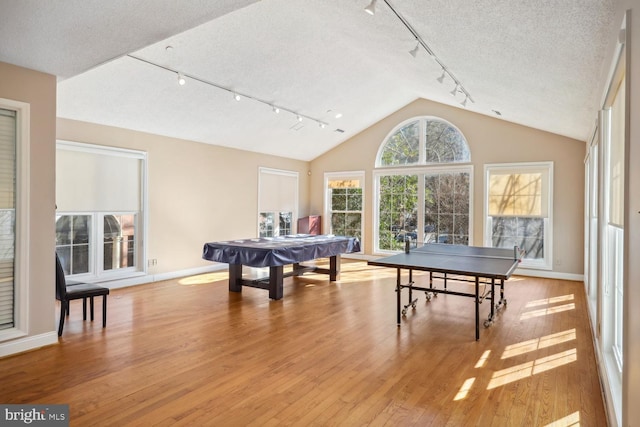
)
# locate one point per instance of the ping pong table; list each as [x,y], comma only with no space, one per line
[473,264]
[275,253]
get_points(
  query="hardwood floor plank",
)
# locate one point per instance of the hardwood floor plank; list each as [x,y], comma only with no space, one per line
[187,352]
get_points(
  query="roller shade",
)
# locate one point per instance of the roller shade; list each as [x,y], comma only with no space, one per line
[278,191]
[518,193]
[91,180]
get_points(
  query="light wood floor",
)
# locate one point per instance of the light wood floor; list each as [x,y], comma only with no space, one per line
[188,352]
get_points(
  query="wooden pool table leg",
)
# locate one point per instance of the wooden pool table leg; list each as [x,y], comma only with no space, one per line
[235,277]
[275,282]
[334,268]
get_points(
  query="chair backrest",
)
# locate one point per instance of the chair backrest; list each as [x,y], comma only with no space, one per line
[61,284]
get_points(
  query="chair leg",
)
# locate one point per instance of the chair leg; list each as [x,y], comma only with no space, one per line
[84,309]
[91,302]
[104,311]
[64,308]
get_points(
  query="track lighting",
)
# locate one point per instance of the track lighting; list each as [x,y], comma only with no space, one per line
[414,51]
[464,103]
[237,96]
[371,9]
[420,42]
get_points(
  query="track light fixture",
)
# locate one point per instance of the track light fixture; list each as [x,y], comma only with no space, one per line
[464,103]
[371,9]
[182,79]
[414,52]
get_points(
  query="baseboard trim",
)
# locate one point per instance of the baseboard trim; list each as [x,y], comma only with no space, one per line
[33,342]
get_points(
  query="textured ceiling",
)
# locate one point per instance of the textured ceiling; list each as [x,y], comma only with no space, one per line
[538,63]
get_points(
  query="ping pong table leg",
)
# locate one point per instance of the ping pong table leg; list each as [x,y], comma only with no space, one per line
[493,291]
[235,277]
[477,308]
[398,291]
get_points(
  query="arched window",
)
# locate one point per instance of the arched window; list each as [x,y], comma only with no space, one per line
[423,185]
[424,141]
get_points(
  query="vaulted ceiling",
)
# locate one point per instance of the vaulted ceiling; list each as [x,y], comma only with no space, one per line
[536,63]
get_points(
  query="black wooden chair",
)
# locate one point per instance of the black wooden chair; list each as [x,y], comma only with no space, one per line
[66,293]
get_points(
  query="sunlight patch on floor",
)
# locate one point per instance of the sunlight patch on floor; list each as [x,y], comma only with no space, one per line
[527,369]
[464,390]
[203,279]
[548,301]
[538,343]
[483,359]
[547,311]
[572,420]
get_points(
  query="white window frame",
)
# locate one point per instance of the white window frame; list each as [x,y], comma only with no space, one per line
[22,217]
[421,171]
[546,263]
[333,176]
[96,270]
[262,171]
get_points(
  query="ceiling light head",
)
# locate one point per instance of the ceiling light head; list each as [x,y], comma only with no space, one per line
[454,92]
[414,51]
[441,78]
[275,109]
[338,115]
[299,117]
[322,125]
[464,103]
[371,9]
[181,79]
[236,97]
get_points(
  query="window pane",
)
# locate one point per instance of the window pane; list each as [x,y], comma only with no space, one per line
[445,144]
[398,210]
[119,241]
[73,238]
[446,210]
[354,199]
[338,200]
[266,224]
[526,233]
[402,148]
[285,223]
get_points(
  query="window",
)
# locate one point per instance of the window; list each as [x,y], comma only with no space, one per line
[518,210]
[14,196]
[7,216]
[277,202]
[423,191]
[344,203]
[100,198]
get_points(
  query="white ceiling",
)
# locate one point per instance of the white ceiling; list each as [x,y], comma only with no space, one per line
[537,62]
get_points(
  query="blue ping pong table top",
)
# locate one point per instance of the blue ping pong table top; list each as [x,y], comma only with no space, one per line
[455,259]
